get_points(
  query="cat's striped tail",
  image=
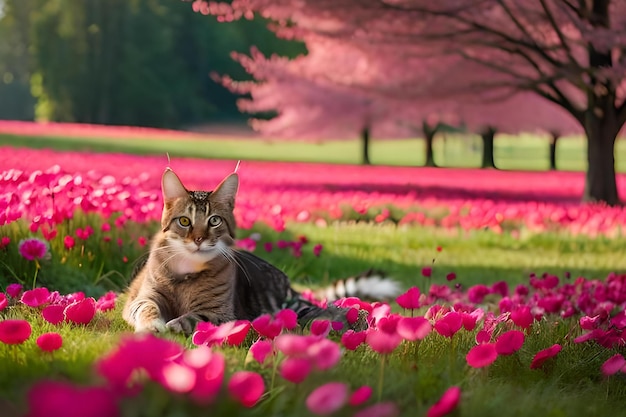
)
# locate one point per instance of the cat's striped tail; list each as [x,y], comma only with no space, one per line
[371,285]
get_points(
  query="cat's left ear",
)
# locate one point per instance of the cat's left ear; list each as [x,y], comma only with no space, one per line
[227,190]
[172,187]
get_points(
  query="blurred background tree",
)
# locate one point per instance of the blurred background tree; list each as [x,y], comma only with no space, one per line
[130,62]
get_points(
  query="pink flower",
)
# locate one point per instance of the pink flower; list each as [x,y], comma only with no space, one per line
[81,312]
[509,342]
[451,276]
[53,399]
[449,324]
[3,301]
[266,326]
[50,342]
[317,249]
[351,339]
[246,387]
[4,242]
[54,313]
[409,299]
[542,356]
[446,404]
[209,368]
[106,302]
[288,318]
[427,271]
[295,369]
[14,331]
[35,297]
[613,365]
[261,349]
[327,398]
[384,409]
[14,290]
[360,395]
[324,354]
[141,240]
[68,242]
[482,355]
[177,378]
[33,248]
[522,317]
[413,328]
[382,342]
[320,328]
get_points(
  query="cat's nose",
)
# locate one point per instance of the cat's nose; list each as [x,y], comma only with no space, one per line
[199,240]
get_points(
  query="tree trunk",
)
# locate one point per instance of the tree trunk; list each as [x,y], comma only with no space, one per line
[600,183]
[554,137]
[429,136]
[365,141]
[487,138]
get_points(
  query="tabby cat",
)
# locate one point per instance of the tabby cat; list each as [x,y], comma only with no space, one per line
[193,272]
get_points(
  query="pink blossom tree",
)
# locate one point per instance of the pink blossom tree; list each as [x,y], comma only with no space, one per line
[568,53]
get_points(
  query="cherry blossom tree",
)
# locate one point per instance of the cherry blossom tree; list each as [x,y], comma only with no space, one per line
[567,52]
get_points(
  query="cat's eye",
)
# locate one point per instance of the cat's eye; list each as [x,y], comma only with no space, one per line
[215,221]
[184,221]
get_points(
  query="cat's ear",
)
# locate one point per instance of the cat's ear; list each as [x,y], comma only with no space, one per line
[172,187]
[227,190]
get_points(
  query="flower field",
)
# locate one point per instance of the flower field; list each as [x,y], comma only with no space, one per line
[72,224]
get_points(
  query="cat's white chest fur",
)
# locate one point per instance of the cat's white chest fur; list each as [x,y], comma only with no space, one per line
[189,260]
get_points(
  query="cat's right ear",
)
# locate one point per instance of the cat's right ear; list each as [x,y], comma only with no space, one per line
[172,187]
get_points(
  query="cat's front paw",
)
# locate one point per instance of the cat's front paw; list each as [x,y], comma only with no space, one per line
[185,324]
[152,326]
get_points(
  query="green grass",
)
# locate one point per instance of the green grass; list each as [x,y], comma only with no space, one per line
[526,152]
[415,375]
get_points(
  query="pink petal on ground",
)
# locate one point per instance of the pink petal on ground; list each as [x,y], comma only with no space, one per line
[50,342]
[246,387]
[544,355]
[328,398]
[295,369]
[446,404]
[53,313]
[509,342]
[613,365]
[413,328]
[482,355]
[81,312]
[14,332]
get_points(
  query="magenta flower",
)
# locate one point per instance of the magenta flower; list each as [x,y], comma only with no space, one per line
[451,276]
[68,242]
[509,342]
[209,368]
[427,271]
[33,249]
[327,398]
[352,340]
[410,299]
[382,342]
[288,318]
[295,369]
[14,290]
[3,301]
[177,378]
[613,365]
[14,331]
[542,356]
[81,312]
[106,302]
[482,355]
[54,313]
[36,297]
[49,342]
[4,242]
[324,354]
[246,387]
[261,349]
[53,399]
[266,326]
[360,395]
[449,324]
[320,328]
[446,404]
[317,249]
[522,317]
[413,328]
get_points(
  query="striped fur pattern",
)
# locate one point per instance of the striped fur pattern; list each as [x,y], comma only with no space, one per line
[193,272]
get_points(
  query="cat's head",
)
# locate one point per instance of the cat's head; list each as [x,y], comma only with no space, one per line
[198,222]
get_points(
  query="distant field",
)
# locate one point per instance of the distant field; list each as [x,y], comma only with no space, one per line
[525,152]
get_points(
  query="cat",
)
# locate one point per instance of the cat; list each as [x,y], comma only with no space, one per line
[194,273]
